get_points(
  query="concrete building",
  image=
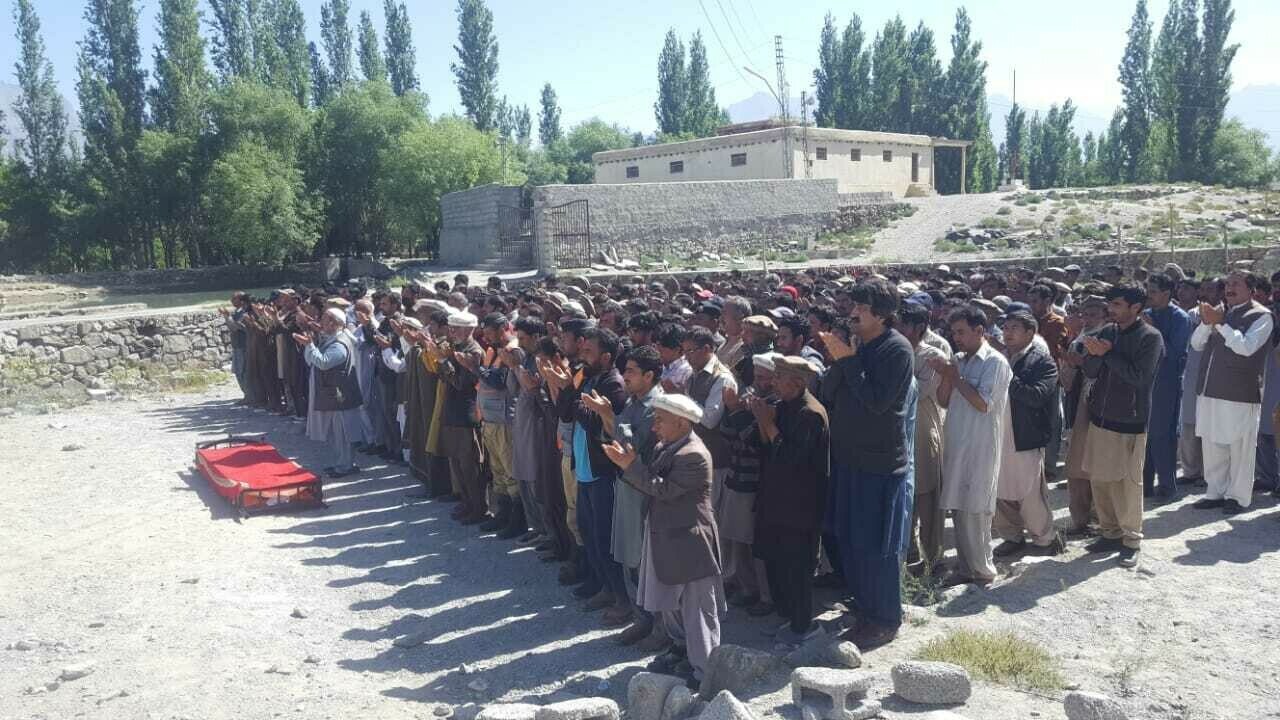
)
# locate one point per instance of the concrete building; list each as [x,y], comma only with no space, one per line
[859,161]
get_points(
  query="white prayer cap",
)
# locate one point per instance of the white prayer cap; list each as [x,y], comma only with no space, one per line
[336,315]
[908,288]
[765,360]
[431,304]
[412,322]
[680,406]
[463,319]
[573,306]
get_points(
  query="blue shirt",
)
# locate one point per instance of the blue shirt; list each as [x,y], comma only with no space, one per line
[581,455]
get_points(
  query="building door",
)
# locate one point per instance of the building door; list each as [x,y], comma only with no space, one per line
[915,167]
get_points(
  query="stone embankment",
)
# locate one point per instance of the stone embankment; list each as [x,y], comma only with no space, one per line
[76,360]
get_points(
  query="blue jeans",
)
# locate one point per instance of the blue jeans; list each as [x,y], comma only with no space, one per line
[1266,473]
[237,366]
[595,522]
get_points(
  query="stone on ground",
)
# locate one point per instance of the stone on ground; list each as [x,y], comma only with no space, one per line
[1092,706]
[647,694]
[726,707]
[593,708]
[508,711]
[734,668]
[931,683]
[679,704]
[822,650]
[832,694]
[75,672]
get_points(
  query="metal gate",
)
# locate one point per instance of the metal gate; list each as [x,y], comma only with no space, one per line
[515,236]
[568,229]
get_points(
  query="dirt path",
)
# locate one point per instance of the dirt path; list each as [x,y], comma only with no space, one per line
[117,556]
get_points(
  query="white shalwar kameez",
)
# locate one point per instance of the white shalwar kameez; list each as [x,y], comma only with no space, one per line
[1228,430]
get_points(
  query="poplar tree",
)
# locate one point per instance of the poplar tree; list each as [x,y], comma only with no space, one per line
[888,75]
[1214,87]
[1135,84]
[673,86]
[853,105]
[923,81]
[371,63]
[549,117]
[289,28]
[1015,132]
[321,88]
[701,113]
[401,56]
[476,70]
[232,38]
[179,100]
[42,149]
[826,76]
[336,33]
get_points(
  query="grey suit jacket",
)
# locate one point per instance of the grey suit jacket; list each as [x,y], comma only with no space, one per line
[683,536]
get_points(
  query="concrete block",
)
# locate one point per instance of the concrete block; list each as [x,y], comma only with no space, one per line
[592,708]
[931,683]
[832,694]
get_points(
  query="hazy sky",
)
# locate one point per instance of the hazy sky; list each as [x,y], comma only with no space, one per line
[601,55]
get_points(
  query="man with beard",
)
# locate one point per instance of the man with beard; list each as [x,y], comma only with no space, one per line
[1234,340]
[335,390]
[496,396]
[1092,317]
[736,309]
[707,386]
[680,559]
[633,427]
[1122,360]
[974,390]
[458,361]
[793,490]
[869,394]
[927,516]
[594,473]
[758,333]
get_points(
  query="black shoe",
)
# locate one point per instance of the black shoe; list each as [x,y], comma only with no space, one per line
[870,636]
[1208,503]
[529,538]
[1233,507]
[544,546]
[516,523]
[1191,480]
[1057,547]
[1104,545]
[1128,557]
[336,473]
[1009,547]
[829,580]
[495,522]
[586,590]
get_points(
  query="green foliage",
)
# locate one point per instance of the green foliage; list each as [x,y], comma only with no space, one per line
[890,74]
[673,85]
[1241,157]
[549,117]
[371,63]
[423,163]
[686,107]
[42,149]
[336,32]
[401,55]
[1002,658]
[476,71]
[257,204]
[1135,83]
[586,138]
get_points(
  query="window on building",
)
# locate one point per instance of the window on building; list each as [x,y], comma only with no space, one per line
[888,156]
[633,171]
[855,154]
[677,166]
[737,159]
[822,153]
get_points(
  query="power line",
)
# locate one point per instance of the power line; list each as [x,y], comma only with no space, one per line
[756,16]
[734,34]
[715,32]
[737,17]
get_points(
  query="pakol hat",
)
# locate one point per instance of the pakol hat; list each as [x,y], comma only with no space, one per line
[795,366]
[679,405]
[761,322]
[766,360]
[463,320]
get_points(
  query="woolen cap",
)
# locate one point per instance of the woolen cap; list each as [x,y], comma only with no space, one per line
[796,366]
[761,322]
[463,320]
[766,360]
[680,406]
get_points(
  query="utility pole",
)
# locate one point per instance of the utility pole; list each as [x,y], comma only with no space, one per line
[1013,160]
[788,162]
[804,133]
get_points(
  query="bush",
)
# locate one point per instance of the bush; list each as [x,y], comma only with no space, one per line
[1002,658]
[994,222]
[1004,211]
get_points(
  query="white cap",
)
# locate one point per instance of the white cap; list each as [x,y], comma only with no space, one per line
[680,406]
[463,319]
[336,315]
[765,360]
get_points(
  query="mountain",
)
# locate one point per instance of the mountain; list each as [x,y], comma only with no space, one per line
[1258,106]
[9,94]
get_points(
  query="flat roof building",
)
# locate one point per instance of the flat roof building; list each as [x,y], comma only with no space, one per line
[858,160]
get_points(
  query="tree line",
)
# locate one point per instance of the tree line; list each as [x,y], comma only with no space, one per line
[1170,126]
[249,142]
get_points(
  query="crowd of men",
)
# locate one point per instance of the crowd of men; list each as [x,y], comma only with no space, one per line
[680,446]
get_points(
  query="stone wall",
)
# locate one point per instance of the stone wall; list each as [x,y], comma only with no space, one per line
[469,225]
[683,218]
[222,277]
[73,358]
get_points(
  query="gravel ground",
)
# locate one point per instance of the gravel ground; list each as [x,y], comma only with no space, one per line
[118,556]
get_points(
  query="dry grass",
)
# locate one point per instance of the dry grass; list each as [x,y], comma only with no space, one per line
[1002,658]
